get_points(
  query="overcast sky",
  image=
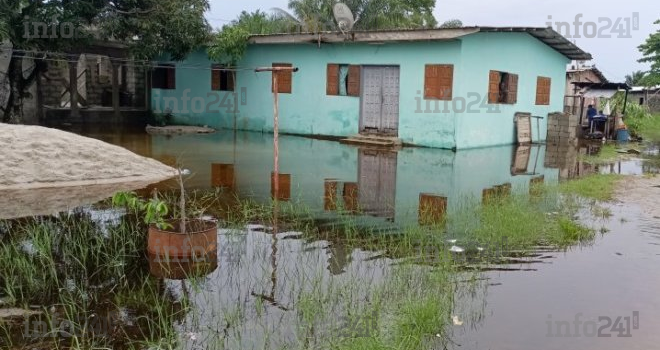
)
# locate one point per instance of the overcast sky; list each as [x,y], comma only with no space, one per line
[615,56]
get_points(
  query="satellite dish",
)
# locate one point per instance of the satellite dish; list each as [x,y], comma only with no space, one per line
[344,17]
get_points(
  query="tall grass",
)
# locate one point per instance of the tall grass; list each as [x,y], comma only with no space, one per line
[397,293]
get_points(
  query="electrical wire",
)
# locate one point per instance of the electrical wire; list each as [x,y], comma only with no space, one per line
[66,57]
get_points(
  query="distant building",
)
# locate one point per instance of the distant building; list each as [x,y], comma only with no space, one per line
[647,96]
[452,88]
[577,74]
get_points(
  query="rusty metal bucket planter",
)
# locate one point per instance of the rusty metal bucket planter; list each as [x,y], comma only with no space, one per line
[177,269]
[199,244]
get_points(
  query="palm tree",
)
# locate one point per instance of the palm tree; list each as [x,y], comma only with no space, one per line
[317,15]
[635,78]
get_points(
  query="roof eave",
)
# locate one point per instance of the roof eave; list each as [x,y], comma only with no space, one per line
[546,35]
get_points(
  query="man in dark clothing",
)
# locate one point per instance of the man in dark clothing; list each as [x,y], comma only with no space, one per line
[591,113]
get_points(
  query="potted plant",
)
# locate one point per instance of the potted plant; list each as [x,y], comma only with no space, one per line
[174,239]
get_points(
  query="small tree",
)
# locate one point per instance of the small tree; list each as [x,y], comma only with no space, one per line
[651,52]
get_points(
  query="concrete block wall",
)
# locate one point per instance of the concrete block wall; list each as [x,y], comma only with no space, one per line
[562,128]
[561,141]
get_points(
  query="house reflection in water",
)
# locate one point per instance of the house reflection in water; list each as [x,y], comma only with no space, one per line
[333,178]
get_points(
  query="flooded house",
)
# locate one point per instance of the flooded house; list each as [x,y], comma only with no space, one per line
[455,88]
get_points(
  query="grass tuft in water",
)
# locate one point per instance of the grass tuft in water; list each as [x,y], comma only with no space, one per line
[599,187]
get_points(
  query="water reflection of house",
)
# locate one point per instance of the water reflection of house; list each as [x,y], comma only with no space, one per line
[331,178]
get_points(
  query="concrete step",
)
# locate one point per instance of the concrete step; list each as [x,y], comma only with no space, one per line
[373,140]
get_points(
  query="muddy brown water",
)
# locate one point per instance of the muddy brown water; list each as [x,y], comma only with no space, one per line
[520,306]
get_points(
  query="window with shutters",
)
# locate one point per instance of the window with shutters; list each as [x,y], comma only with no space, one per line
[343,80]
[221,78]
[542,91]
[284,79]
[502,88]
[164,77]
[438,81]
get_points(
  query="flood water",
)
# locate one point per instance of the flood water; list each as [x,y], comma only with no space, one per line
[525,306]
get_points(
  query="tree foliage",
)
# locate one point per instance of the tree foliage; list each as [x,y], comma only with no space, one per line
[369,14]
[651,52]
[231,42]
[316,16]
[635,78]
[452,23]
[146,27]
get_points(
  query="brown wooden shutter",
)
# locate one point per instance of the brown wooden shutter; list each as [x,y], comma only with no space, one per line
[284,79]
[431,82]
[216,76]
[332,80]
[543,91]
[446,81]
[512,89]
[438,81]
[494,87]
[171,78]
[353,81]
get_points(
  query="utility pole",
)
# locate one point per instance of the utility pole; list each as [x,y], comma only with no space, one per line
[276,150]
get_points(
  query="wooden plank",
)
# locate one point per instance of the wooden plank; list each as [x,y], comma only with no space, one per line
[332,80]
[521,160]
[493,86]
[512,88]
[353,80]
[524,128]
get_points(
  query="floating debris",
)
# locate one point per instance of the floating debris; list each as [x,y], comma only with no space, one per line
[457,321]
[456,249]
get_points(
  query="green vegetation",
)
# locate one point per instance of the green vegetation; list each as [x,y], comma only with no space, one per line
[598,186]
[148,28]
[647,127]
[607,154]
[314,16]
[83,266]
[651,54]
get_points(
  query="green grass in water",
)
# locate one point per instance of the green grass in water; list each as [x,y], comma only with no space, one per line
[608,154]
[600,187]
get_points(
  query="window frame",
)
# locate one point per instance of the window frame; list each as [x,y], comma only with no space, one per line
[543,96]
[169,78]
[218,71]
[502,87]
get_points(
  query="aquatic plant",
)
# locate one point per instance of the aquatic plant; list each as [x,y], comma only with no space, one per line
[597,186]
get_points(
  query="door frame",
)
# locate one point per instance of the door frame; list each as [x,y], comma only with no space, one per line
[362,82]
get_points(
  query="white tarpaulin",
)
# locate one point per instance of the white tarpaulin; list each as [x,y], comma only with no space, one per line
[599,93]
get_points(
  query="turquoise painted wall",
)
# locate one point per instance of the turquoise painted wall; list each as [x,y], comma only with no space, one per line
[462,123]
[517,53]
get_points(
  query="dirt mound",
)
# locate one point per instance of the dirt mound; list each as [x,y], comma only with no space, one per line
[39,157]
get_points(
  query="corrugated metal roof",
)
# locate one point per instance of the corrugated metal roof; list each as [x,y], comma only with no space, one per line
[546,35]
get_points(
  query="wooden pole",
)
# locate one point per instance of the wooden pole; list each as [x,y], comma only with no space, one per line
[276,148]
[115,91]
[73,89]
[276,112]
